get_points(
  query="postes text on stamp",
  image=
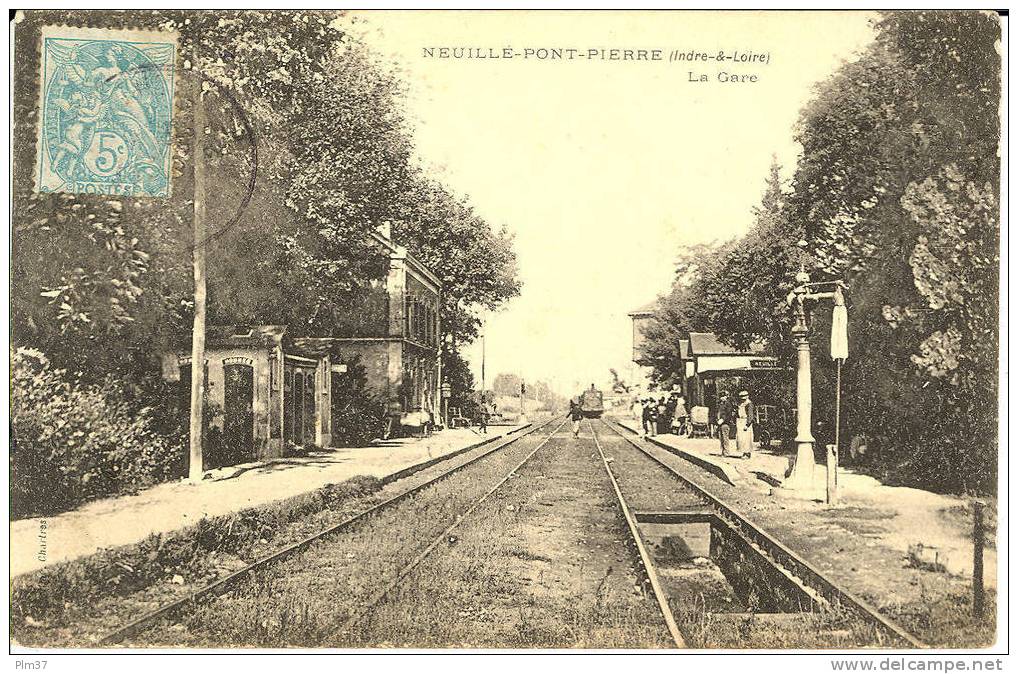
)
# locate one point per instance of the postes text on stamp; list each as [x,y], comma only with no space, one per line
[106,111]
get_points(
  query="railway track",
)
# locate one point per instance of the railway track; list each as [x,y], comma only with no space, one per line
[645,558]
[785,561]
[369,605]
[533,509]
[437,519]
[635,538]
[347,598]
[175,609]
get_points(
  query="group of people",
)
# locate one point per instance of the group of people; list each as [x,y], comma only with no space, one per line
[667,414]
[735,419]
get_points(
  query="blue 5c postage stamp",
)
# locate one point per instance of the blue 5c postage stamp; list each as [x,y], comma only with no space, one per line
[106,111]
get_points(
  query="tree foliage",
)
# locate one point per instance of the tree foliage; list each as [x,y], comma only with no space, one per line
[896,192]
[307,151]
[73,441]
[475,263]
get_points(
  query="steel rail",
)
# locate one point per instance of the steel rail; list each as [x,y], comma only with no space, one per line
[369,605]
[781,555]
[221,585]
[645,559]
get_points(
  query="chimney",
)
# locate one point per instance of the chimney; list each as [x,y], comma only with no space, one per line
[385,229]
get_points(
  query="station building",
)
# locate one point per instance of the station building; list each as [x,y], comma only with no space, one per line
[396,336]
[712,367]
[642,366]
[266,389]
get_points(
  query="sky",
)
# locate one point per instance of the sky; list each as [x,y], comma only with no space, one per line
[603,169]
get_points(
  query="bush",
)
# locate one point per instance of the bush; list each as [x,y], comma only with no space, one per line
[73,443]
[358,414]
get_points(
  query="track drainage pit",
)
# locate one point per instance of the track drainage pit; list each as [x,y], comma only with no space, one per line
[703,562]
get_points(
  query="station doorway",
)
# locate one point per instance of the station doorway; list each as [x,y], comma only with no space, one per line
[238,413]
[299,400]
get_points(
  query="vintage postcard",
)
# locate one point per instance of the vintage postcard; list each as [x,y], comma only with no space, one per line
[531,330]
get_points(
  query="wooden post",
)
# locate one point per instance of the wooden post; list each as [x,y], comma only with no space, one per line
[978,594]
[195,464]
[834,450]
[484,343]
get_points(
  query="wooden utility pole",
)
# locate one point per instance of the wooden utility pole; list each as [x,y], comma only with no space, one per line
[978,537]
[484,343]
[195,464]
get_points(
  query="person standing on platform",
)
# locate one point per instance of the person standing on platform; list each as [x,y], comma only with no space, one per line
[744,425]
[649,416]
[482,418]
[725,419]
[663,421]
[680,415]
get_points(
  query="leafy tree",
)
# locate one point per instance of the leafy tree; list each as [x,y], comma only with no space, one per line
[618,384]
[358,412]
[73,442]
[896,192]
[476,264]
[506,384]
[456,371]
[734,289]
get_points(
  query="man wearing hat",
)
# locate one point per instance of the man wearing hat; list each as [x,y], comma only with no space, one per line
[746,413]
[649,416]
[725,421]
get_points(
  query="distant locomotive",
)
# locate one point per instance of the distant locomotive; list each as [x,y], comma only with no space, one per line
[592,403]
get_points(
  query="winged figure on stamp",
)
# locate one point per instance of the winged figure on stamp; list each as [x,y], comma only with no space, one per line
[95,98]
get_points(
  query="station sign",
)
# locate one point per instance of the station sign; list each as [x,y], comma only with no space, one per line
[764,364]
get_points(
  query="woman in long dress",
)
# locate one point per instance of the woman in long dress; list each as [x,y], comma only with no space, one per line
[744,426]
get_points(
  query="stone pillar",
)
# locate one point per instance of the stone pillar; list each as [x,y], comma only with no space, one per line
[799,483]
[323,403]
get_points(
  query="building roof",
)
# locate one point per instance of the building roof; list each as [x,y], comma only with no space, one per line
[708,344]
[314,346]
[236,336]
[397,252]
[648,309]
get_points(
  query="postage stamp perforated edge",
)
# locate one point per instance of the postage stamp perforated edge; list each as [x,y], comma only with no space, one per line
[112,35]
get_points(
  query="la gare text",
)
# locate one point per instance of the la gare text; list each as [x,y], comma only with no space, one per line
[723,76]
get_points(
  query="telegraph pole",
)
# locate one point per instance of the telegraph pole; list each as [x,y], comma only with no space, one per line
[195,463]
[484,339]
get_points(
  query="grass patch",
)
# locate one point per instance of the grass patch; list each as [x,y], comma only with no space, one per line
[303,600]
[54,596]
